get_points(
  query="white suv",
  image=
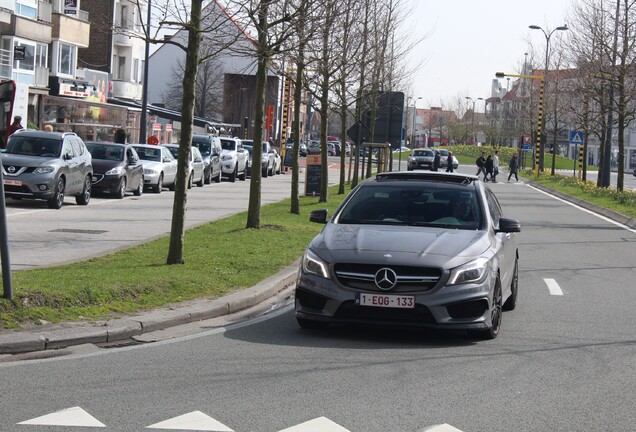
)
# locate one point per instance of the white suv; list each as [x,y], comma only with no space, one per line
[233,159]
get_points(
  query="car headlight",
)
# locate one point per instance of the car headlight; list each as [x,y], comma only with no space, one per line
[314,265]
[227,157]
[44,170]
[115,171]
[148,171]
[471,272]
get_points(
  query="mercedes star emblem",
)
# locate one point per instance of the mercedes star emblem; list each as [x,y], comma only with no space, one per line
[385,279]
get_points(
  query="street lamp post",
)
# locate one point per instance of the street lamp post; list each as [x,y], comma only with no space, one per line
[545,74]
[473,117]
[414,115]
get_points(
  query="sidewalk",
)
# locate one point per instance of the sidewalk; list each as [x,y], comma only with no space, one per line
[57,336]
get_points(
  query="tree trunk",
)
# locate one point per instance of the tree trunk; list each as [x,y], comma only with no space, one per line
[254,206]
[177,231]
[295,200]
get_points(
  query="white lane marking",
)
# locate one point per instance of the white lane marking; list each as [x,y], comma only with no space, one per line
[442,428]
[553,287]
[320,424]
[600,216]
[75,416]
[196,420]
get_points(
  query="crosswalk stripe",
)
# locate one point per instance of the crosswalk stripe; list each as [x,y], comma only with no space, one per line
[320,424]
[196,420]
[75,416]
[442,428]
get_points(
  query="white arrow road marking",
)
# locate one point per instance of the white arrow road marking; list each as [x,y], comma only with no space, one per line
[441,428]
[196,420]
[75,416]
[320,424]
[553,287]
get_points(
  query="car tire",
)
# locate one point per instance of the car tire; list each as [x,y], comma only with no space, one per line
[243,176]
[85,196]
[191,180]
[511,302]
[173,185]
[140,187]
[201,182]
[157,188]
[120,192]
[232,176]
[208,178]
[265,172]
[218,178]
[495,317]
[57,201]
[308,324]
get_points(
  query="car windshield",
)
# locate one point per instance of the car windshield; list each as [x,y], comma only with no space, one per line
[25,145]
[149,153]
[174,151]
[106,151]
[443,206]
[423,153]
[204,147]
[265,147]
[248,148]
[228,144]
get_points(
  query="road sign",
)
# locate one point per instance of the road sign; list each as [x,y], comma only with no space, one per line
[526,147]
[577,137]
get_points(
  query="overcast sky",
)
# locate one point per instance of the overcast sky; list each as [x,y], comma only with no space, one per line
[469,40]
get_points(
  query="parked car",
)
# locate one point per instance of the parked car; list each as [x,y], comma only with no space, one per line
[117,169]
[277,160]
[424,249]
[268,159]
[196,166]
[313,148]
[210,148]
[331,148]
[160,167]
[420,159]
[47,166]
[302,148]
[444,159]
[233,159]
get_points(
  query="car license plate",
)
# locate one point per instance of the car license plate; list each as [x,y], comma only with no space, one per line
[10,182]
[385,300]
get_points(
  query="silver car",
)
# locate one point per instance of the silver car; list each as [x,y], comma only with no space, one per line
[47,166]
[420,159]
[425,249]
[196,166]
[160,167]
[233,159]
[443,162]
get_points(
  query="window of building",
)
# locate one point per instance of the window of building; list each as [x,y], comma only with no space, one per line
[27,8]
[35,55]
[136,74]
[67,59]
[121,68]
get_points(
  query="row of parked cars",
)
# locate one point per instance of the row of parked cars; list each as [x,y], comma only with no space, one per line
[50,165]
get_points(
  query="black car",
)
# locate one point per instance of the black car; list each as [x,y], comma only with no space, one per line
[412,249]
[117,169]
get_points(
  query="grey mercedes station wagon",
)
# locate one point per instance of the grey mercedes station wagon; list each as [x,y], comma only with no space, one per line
[412,249]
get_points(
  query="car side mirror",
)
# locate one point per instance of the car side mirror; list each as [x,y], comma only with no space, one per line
[318,216]
[508,225]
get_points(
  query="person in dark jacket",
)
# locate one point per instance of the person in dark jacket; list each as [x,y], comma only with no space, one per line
[449,161]
[490,169]
[481,164]
[513,166]
[436,161]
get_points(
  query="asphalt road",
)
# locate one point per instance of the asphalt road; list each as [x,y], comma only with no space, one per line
[564,360]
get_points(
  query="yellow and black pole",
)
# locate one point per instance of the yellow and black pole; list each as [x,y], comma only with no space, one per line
[537,152]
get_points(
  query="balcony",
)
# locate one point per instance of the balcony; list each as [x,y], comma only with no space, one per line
[26,28]
[72,29]
[127,90]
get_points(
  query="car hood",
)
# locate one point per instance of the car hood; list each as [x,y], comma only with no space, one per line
[101,166]
[422,158]
[30,161]
[406,245]
[148,164]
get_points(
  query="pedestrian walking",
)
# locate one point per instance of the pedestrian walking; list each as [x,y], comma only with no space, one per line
[16,125]
[481,164]
[436,161]
[513,165]
[495,166]
[449,162]
[489,168]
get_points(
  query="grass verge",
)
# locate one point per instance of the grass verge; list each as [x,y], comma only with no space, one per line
[220,257]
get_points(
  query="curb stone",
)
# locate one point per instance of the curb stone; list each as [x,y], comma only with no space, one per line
[57,336]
